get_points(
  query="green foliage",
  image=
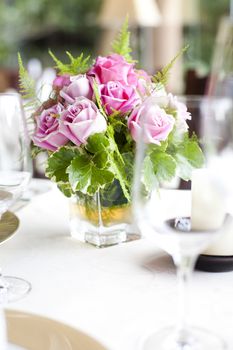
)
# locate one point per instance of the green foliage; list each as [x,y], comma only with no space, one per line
[188,156]
[77,65]
[58,162]
[90,168]
[35,150]
[97,164]
[98,99]
[159,166]
[121,44]
[177,159]
[149,178]
[100,144]
[164,166]
[65,188]
[97,143]
[161,77]
[86,177]
[112,195]
[117,163]
[27,86]
[129,158]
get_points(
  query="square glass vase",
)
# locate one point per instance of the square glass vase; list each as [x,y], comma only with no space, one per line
[103,219]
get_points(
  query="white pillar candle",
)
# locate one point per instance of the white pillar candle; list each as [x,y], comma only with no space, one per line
[208,208]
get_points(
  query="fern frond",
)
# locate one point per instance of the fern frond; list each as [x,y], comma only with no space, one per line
[77,65]
[121,44]
[27,87]
[161,77]
[59,65]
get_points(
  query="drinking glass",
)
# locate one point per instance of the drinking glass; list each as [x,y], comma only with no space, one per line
[184,222]
[15,174]
[221,77]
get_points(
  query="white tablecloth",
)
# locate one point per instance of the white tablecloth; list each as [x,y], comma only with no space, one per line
[114,294]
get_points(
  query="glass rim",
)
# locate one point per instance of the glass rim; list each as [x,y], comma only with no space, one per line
[194,98]
[10,94]
[193,101]
[203,97]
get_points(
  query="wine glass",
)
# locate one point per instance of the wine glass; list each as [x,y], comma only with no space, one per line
[15,174]
[221,77]
[180,221]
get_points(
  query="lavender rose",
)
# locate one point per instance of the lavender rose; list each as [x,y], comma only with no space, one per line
[114,68]
[116,96]
[60,81]
[157,123]
[47,134]
[79,86]
[81,120]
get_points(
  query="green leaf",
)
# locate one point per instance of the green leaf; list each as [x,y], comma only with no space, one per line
[121,44]
[189,156]
[79,173]
[58,162]
[97,143]
[65,188]
[149,178]
[164,165]
[100,160]
[111,195]
[128,158]
[99,178]
[161,77]
[77,65]
[84,176]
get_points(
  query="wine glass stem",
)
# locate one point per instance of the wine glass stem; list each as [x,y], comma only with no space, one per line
[3,289]
[185,265]
[3,331]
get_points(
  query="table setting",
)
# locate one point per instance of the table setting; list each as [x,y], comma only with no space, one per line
[127,289]
[102,252]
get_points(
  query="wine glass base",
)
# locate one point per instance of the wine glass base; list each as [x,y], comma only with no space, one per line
[194,339]
[14,347]
[17,288]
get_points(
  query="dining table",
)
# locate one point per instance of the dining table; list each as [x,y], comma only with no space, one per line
[116,295]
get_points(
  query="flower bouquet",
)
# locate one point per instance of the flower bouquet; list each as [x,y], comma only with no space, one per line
[89,128]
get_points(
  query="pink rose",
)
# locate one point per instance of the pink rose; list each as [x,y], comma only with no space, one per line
[156,122]
[116,96]
[79,86]
[114,68]
[144,84]
[60,81]
[48,134]
[80,120]
[180,111]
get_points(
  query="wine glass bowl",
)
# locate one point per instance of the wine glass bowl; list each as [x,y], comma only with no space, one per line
[12,186]
[221,77]
[15,174]
[185,222]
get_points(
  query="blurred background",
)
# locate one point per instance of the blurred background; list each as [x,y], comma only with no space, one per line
[159,29]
